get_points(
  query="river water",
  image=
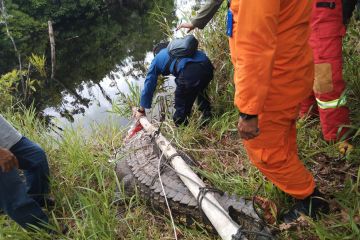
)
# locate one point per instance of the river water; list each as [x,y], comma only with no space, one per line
[89,97]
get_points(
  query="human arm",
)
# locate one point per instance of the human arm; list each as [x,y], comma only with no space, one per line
[149,85]
[7,160]
[205,14]
[255,43]
[139,112]
[9,136]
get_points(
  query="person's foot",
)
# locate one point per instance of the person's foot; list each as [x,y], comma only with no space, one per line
[311,206]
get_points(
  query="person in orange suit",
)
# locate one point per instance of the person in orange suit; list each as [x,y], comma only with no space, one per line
[274,71]
[328,21]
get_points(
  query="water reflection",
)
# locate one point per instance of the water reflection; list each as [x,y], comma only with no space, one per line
[89,53]
[94,59]
[100,96]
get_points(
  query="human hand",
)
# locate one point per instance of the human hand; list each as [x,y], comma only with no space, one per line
[138,113]
[248,129]
[7,160]
[189,26]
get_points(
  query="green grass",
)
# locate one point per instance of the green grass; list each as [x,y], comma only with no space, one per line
[82,179]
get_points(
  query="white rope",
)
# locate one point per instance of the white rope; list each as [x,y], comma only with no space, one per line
[200,149]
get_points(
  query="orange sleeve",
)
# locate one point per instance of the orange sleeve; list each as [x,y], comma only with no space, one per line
[255,36]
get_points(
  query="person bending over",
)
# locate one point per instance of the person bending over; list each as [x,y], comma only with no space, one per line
[193,75]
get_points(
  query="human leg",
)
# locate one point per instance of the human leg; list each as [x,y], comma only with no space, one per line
[326,41]
[32,160]
[190,84]
[274,153]
[204,105]
[184,100]
[203,98]
[282,166]
[16,203]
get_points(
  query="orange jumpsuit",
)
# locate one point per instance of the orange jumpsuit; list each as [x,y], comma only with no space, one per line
[274,72]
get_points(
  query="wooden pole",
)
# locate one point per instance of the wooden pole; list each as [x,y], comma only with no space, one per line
[52,45]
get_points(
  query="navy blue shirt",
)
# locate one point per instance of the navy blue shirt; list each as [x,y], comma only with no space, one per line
[158,66]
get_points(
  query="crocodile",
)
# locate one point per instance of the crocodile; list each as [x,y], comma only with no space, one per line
[137,170]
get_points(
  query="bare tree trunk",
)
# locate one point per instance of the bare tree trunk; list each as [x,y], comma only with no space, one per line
[52,45]
[5,16]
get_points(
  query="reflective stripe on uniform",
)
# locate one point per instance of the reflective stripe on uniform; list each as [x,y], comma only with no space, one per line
[340,102]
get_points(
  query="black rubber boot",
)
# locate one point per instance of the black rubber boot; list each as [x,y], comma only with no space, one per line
[310,206]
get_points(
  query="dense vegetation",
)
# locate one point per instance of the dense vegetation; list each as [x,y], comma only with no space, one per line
[83,179]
